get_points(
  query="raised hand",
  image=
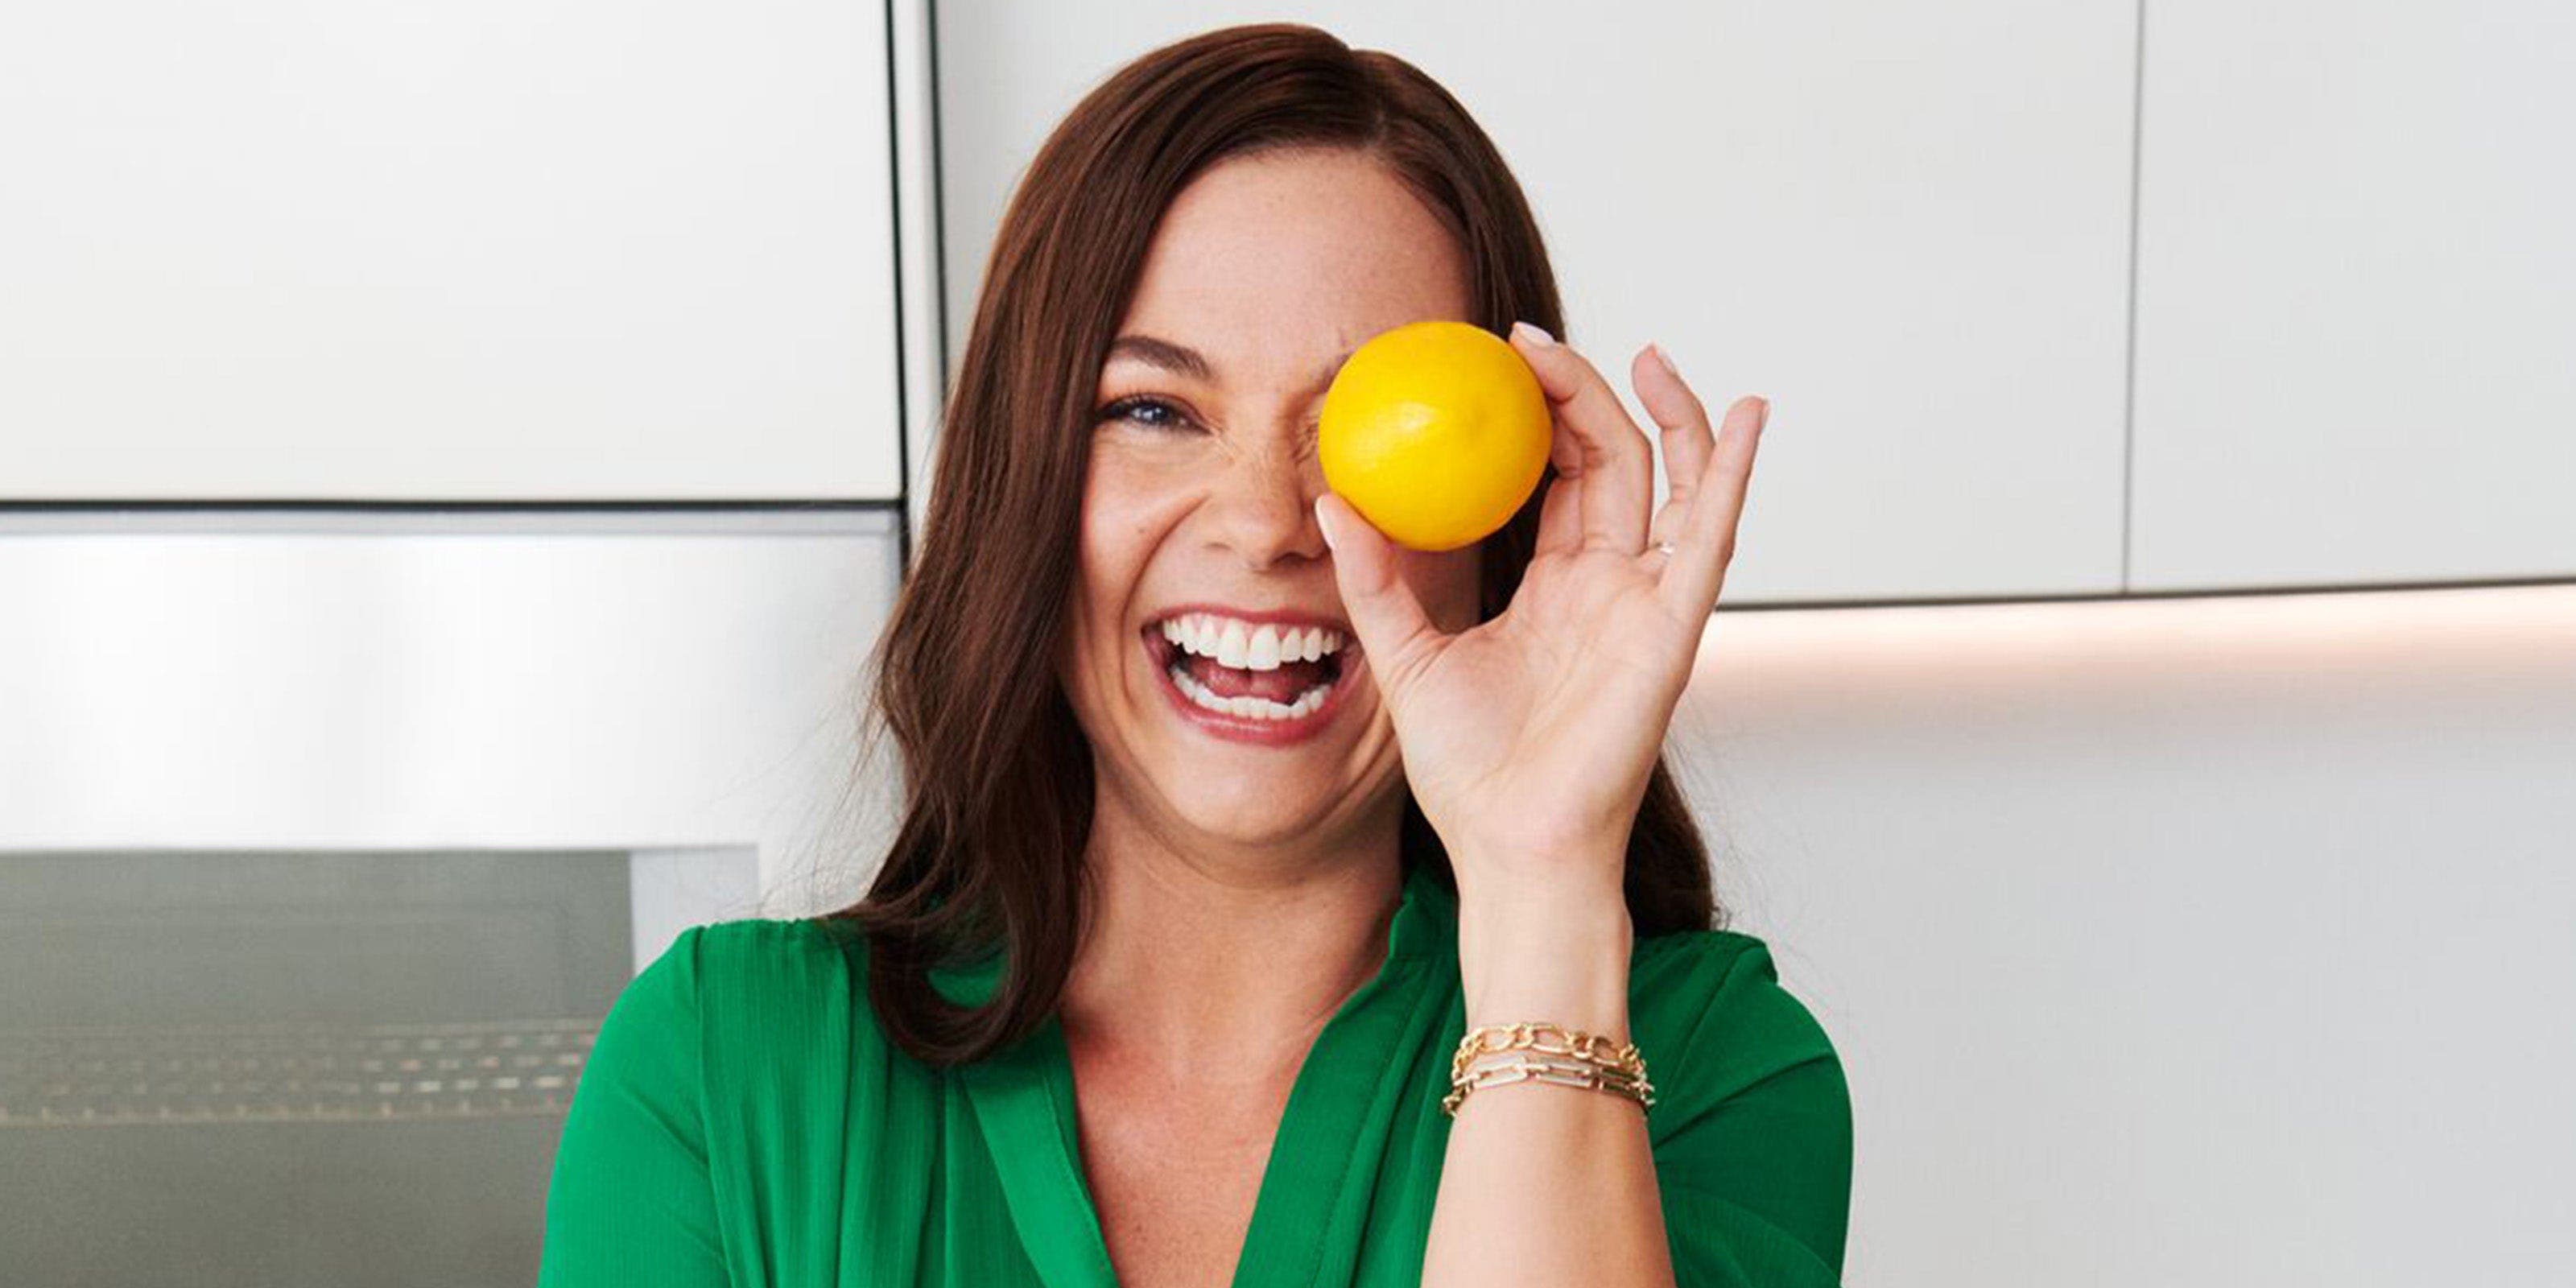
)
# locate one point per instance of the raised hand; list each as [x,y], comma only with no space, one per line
[1528,739]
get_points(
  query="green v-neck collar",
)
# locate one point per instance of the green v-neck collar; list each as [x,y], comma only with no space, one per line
[1023,1099]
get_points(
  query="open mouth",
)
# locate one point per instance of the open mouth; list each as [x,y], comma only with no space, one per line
[1281,675]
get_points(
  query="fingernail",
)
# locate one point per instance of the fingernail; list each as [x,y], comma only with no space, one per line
[1532,334]
[1323,524]
[1664,359]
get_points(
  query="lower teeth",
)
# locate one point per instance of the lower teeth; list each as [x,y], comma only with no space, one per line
[1248,705]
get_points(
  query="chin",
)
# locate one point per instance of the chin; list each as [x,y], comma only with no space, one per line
[1255,808]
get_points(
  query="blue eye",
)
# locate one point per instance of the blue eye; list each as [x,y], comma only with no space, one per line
[1132,408]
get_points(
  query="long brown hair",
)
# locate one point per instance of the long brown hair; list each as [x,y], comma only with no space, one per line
[997,795]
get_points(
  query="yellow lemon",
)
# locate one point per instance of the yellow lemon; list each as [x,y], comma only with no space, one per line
[1436,431]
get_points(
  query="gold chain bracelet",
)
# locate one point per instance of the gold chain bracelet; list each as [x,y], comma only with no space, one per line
[1538,1051]
[1551,1039]
[1563,1072]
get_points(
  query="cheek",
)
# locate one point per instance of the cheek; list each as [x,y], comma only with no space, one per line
[1127,509]
[1120,526]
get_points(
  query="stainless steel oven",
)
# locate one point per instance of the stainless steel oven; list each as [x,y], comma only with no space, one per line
[328,837]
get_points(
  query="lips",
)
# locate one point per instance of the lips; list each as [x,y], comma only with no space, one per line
[1252,706]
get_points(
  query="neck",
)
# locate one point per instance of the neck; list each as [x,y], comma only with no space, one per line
[1224,972]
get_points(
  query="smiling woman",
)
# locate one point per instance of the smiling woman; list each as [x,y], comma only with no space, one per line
[1225,818]
[1267,268]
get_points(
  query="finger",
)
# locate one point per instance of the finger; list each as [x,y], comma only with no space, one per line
[1617,468]
[1706,542]
[1560,516]
[1686,436]
[1390,622]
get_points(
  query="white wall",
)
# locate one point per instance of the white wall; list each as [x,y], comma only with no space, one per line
[2195,941]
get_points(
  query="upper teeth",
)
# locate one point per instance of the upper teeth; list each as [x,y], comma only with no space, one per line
[1247,646]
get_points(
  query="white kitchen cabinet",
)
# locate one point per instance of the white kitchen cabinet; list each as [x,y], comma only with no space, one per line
[2356,294]
[488,681]
[561,251]
[1907,225]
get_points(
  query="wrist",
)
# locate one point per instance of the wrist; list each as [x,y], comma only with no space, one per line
[1525,956]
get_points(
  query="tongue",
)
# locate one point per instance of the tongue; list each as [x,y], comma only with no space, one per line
[1282,686]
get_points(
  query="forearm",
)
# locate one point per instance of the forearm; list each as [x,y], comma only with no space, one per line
[1542,1183]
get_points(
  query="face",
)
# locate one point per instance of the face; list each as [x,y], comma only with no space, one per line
[1205,581]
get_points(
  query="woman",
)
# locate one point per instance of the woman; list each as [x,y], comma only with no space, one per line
[1151,993]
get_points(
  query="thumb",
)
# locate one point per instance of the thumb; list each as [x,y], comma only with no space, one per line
[1386,616]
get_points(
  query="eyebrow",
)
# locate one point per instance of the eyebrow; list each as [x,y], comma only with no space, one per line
[1182,360]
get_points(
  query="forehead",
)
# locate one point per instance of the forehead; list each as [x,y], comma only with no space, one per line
[1266,262]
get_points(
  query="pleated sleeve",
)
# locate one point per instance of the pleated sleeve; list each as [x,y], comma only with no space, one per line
[1752,1127]
[629,1204]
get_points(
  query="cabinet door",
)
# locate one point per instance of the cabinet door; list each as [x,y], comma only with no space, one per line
[1907,225]
[487,681]
[2356,294]
[478,250]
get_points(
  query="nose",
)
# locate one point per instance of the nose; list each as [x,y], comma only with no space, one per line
[1264,504]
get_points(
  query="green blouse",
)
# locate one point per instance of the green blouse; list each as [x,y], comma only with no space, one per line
[742,1120]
